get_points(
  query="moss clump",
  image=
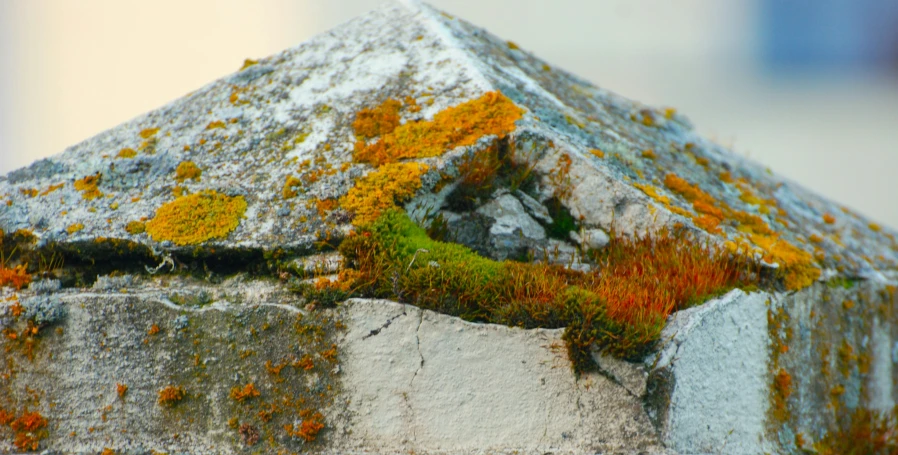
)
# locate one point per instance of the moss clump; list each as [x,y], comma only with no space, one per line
[623,309]
[196,218]
[383,189]
[88,186]
[187,170]
[456,126]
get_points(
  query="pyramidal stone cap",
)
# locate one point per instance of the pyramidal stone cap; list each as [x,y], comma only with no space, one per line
[287,120]
[286,157]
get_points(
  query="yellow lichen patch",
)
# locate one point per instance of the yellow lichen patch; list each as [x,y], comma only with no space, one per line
[512,45]
[652,192]
[874,227]
[215,124]
[30,192]
[73,228]
[828,218]
[148,132]
[248,63]
[325,206]
[649,154]
[52,188]
[196,218]
[187,170]
[135,227]
[378,121]
[669,113]
[126,153]
[292,182]
[88,186]
[796,264]
[597,153]
[726,177]
[383,189]
[453,127]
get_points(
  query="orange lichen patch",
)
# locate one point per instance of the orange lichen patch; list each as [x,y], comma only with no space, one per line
[52,188]
[782,388]
[88,186]
[691,193]
[383,189]
[154,329]
[289,185]
[215,124]
[864,431]
[726,177]
[75,227]
[135,227]
[325,206]
[649,154]
[107,451]
[196,218]
[148,132]
[814,238]
[309,428]
[121,390]
[171,395]
[16,277]
[30,192]
[828,218]
[246,392]
[187,170]
[377,121]
[27,430]
[305,362]
[453,127]
[597,153]
[874,227]
[126,153]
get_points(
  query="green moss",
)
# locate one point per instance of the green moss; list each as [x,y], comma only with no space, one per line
[621,311]
[562,220]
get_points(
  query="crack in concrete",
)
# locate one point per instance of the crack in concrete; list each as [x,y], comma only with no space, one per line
[218,305]
[414,376]
[376,331]
[611,377]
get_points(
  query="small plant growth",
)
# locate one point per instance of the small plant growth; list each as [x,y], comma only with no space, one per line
[622,309]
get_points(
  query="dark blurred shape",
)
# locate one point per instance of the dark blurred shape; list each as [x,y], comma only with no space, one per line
[829,34]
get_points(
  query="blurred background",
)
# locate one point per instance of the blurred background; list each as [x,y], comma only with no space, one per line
[809,88]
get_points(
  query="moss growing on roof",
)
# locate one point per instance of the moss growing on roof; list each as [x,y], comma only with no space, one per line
[196,218]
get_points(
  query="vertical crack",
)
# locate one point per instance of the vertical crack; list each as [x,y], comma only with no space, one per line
[411,383]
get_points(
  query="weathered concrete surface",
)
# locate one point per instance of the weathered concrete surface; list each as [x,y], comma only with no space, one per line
[714,384]
[69,371]
[405,380]
[419,380]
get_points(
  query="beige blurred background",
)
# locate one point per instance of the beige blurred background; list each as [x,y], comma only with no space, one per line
[70,69]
